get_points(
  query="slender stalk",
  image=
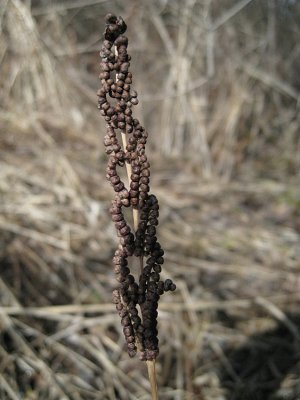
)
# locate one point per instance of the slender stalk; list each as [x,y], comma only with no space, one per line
[124,141]
[135,210]
[152,378]
[136,300]
[135,214]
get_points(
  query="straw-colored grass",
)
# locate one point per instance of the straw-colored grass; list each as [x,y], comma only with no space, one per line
[231,330]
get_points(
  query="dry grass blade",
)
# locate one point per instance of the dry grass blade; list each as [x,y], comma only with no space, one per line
[63,6]
[272,81]
[231,12]
[279,315]
[232,240]
[8,389]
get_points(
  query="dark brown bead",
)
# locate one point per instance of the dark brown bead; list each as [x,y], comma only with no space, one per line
[117,217]
[124,67]
[144,188]
[135,178]
[132,353]
[120,224]
[125,230]
[145,166]
[107,140]
[130,339]
[155,276]
[130,279]
[134,185]
[160,289]
[126,321]
[111,172]
[121,77]
[172,287]
[104,67]
[131,346]
[121,40]
[134,201]
[117,269]
[132,140]
[167,284]
[110,19]
[151,230]
[115,296]
[125,202]
[122,312]
[115,179]
[119,187]
[133,193]
[128,331]
[145,180]
[134,101]
[105,106]
[104,75]
[125,95]
[120,155]
[160,260]
[114,210]
[145,172]
[121,117]
[110,111]
[128,239]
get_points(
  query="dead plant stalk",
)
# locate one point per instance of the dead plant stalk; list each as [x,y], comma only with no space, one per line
[136,299]
[136,216]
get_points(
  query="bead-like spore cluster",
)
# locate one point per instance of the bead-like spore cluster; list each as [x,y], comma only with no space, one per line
[136,300]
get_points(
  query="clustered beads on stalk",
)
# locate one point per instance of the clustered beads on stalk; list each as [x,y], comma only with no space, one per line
[116,83]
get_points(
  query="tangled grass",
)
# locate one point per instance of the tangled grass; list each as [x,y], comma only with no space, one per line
[231,330]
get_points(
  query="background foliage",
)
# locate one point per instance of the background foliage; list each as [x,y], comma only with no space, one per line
[219,92]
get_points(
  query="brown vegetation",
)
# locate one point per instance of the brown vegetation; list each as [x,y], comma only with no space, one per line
[223,84]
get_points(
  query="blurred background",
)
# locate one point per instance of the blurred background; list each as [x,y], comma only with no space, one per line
[219,92]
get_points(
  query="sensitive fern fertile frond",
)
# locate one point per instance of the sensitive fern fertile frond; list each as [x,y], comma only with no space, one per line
[125,140]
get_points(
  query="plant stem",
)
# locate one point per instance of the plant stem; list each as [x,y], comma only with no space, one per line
[135,213]
[127,164]
[135,210]
[152,378]
[136,217]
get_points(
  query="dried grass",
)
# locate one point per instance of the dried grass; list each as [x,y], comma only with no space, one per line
[232,330]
